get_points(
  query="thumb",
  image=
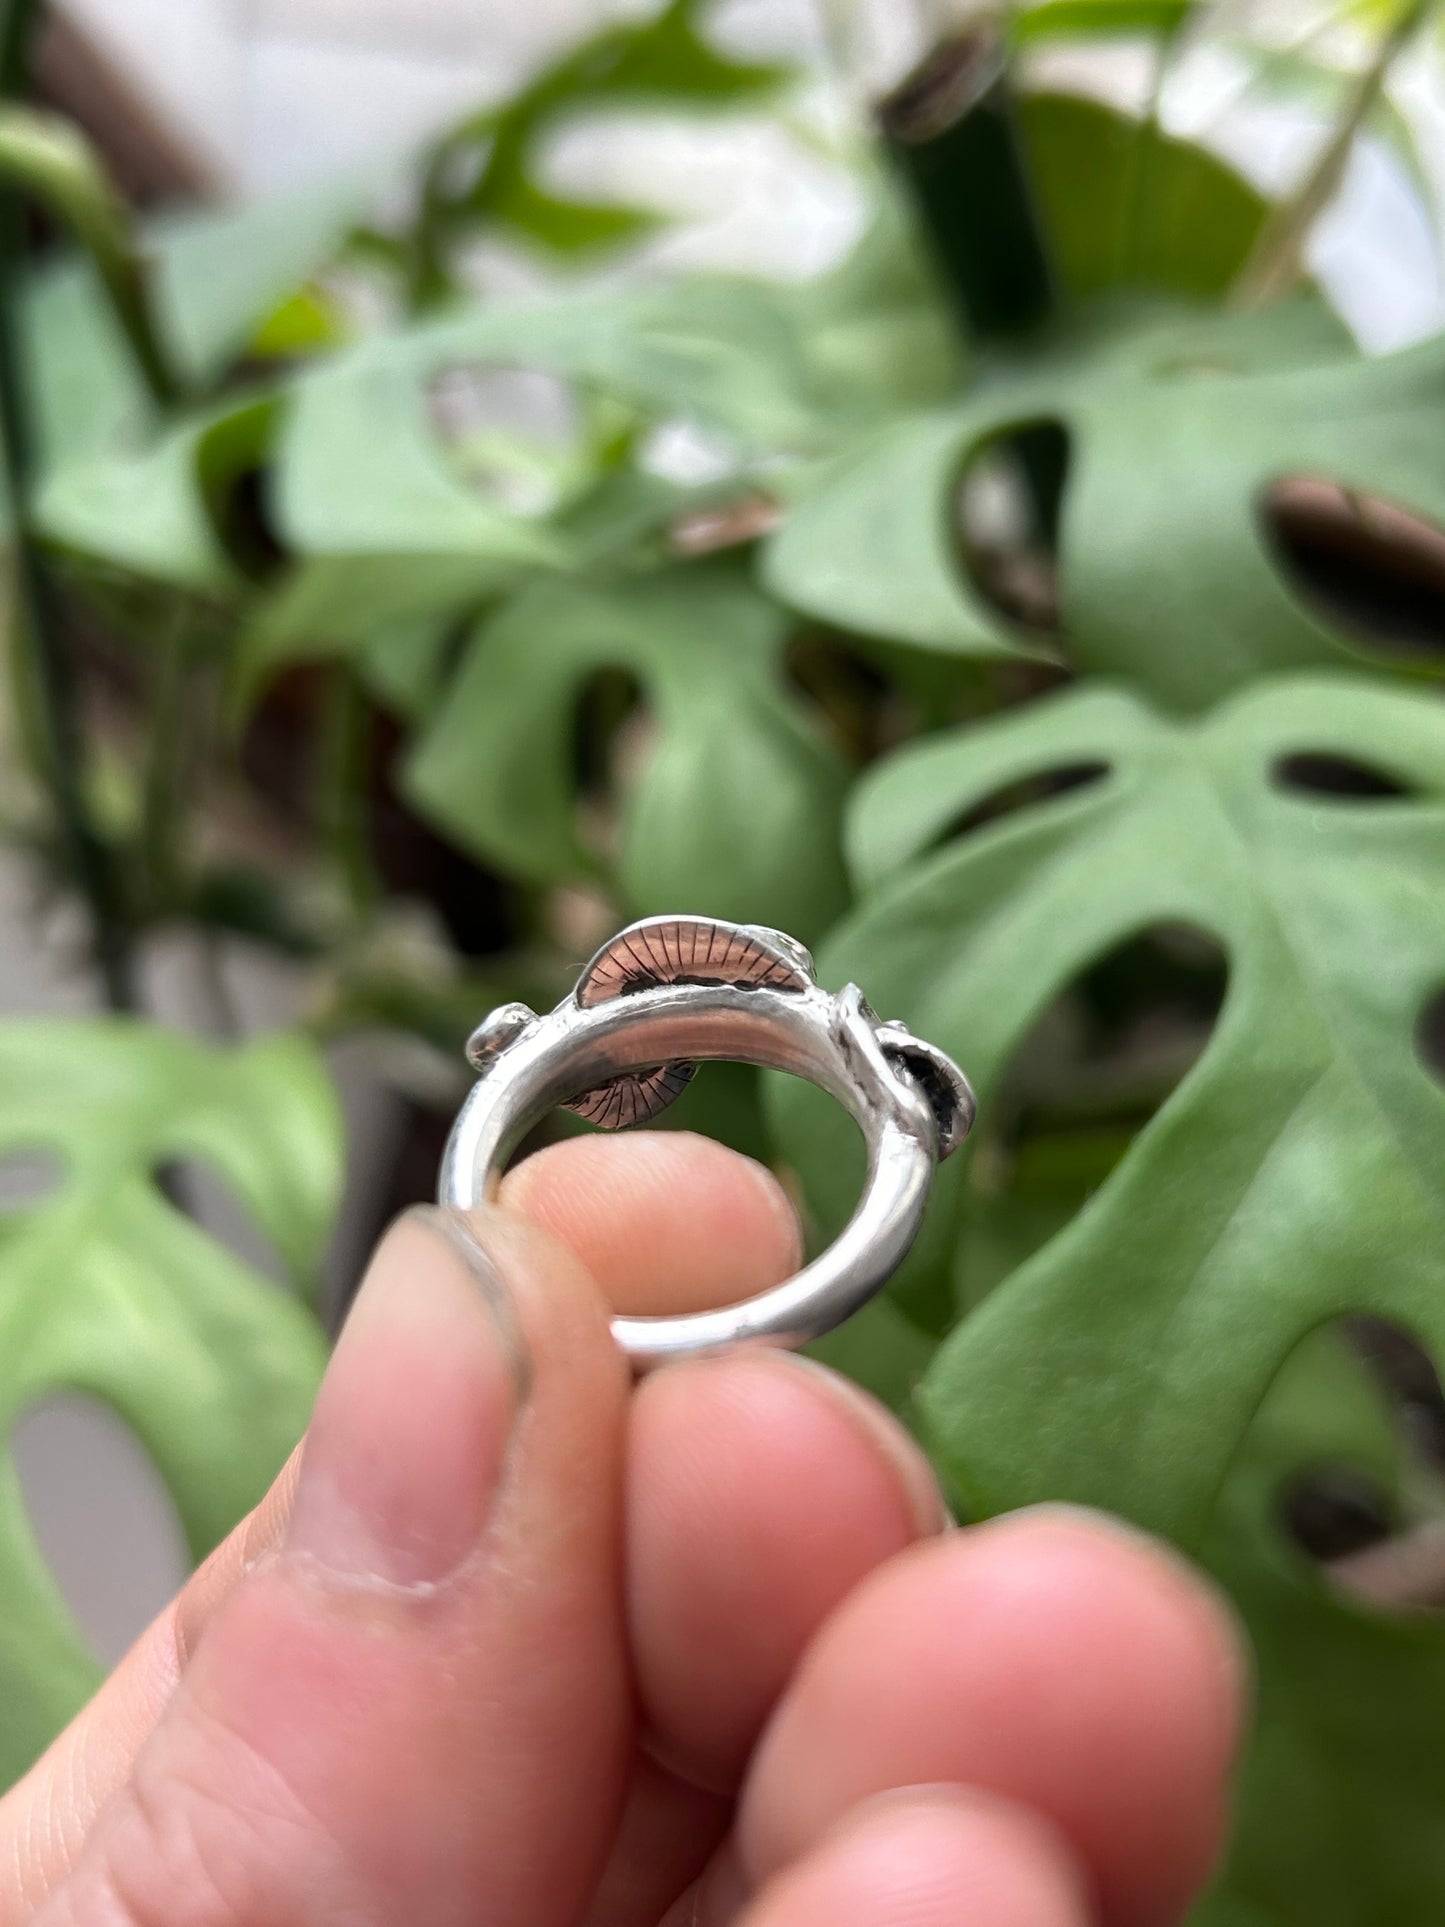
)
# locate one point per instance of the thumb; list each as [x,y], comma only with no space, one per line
[402,1712]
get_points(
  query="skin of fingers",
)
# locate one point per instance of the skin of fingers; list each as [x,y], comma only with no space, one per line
[931,1857]
[762,1489]
[45,1818]
[640,1220]
[401,1712]
[668,1831]
[673,1224]
[1051,1658]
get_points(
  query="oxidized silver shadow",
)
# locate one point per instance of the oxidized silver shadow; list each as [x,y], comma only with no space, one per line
[658,999]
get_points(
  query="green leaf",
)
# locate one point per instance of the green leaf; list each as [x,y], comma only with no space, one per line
[1125,205]
[663,60]
[50,159]
[106,1289]
[306,323]
[390,528]
[875,328]
[218,278]
[153,508]
[1296,1173]
[566,226]
[1167,573]
[85,386]
[85,389]
[1047,20]
[1338,1799]
[724,353]
[738,801]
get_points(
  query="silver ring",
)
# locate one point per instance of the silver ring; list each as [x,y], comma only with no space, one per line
[666,994]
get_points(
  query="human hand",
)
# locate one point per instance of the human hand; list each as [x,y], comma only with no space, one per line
[513,1643]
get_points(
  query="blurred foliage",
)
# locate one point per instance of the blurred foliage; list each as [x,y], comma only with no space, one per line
[110,1289]
[1015,674]
[1293,1176]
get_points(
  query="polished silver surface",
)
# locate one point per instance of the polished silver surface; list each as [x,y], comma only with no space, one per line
[667,994]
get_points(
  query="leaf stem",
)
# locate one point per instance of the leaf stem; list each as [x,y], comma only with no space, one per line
[47,692]
[952,132]
[427,280]
[839,23]
[50,160]
[1141,155]
[168,748]
[342,790]
[1276,262]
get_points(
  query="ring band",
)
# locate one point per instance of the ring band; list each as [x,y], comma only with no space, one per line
[670,992]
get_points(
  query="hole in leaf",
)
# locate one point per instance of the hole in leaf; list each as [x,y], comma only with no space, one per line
[1334,1510]
[511,434]
[235,479]
[687,454]
[611,734]
[864,710]
[1375,1521]
[1138,1019]
[1024,795]
[1320,773]
[28,1177]
[476,906]
[1430,1034]
[1083,1081]
[102,1517]
[1406,1369]
[196,1187]
[1360,562]
[248,528]
[1007,506]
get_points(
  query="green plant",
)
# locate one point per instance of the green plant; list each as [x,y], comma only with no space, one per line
[1066,673]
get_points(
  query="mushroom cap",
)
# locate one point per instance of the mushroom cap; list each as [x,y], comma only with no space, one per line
[693,950]
[677,950]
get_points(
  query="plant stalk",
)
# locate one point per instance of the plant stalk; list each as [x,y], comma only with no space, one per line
[343,788]
[48,694]
[49,160]
[169,740]
[953,135]
[1143,151]
[1276,263]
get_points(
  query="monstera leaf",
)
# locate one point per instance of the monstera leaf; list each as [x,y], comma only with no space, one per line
[662,61]
[1339,1798]
[154,510]
[218,276]
[735,793]
[107,1289]
[1294,1175]
[388,526]
[1129,206]
[1176,431]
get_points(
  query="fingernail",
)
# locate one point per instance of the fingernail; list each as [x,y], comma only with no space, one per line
[406,1445]
[915,1474]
